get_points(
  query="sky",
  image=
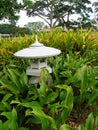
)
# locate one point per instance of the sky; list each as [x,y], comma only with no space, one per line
[24,19]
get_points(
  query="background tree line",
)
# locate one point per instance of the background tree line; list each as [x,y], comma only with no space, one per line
[14,30]
[53,12]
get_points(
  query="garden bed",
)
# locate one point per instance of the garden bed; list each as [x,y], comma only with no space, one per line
[69,102]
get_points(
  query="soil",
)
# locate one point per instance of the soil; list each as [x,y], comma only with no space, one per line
[35,127]
[78,117]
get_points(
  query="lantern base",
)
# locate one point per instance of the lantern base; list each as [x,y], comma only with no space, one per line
[34,74]
[34,79]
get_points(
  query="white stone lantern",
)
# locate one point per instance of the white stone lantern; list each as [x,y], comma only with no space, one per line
[37,53]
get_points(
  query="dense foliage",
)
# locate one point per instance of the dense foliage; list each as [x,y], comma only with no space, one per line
[8,10]
[71,96]
[14,30]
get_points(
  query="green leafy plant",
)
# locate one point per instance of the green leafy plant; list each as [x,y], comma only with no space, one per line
[65,127]
[72,86]
[52,105]
[15,81]
[90,124]
[77,72]
[11,122]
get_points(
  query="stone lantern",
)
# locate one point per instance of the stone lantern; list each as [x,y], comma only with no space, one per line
[38,54]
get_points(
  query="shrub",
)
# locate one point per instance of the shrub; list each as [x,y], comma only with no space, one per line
[14,30]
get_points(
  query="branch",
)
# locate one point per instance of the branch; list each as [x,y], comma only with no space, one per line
[63,14]
[42,18]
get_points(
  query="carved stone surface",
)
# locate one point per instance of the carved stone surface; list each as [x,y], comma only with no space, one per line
[37,50]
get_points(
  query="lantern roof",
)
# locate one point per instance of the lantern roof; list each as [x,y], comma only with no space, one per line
[37,50]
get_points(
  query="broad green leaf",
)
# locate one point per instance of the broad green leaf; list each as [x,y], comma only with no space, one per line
[43,89]
[11,123]
[45,120]
[55,72]
[2,107]
[34,105]
[53,108]
[10,86]
[42,115]
[51,97]
[23,128]
[43,83]
[14,114]
[1,125]
[96,123]
[14,77]
[62,86]
[44,123]
[7,106]
[95,112]
[81,127]
[82,76]
[7,115]
[66,102]
[23,80]
[93,97]
[62,94]
[15,102]
[6,97]
[65,127]
[66,74]
[89,122]
[35,119]
[6,125]
[45,75]
[12,119]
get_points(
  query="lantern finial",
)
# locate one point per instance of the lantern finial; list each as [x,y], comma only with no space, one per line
[36,44]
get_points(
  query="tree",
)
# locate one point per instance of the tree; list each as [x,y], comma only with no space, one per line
[95,5]
[55,12]
[35,26]
[83,10]
[8,10]
[14,30]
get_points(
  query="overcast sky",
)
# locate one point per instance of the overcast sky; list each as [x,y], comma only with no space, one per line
[24,19]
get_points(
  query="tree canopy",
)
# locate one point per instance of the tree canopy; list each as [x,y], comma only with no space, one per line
[8,9]
[57,12]
[53,12]
[14,30]
[35,26]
